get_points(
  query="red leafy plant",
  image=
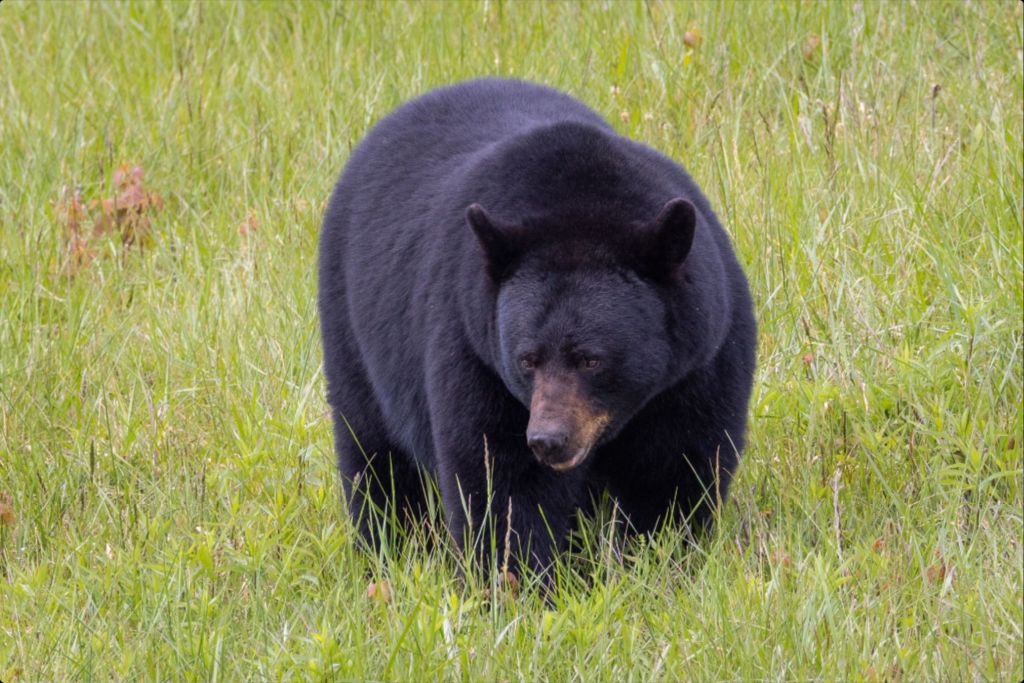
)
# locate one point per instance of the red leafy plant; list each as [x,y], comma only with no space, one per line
[125,215]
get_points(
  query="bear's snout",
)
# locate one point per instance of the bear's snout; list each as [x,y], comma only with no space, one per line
[564,425]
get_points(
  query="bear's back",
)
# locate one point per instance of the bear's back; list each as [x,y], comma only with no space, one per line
[457,120]
[413,162]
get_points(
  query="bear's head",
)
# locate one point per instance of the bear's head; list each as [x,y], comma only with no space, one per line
[582,320]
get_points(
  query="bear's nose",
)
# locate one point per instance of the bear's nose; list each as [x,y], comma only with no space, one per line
[548,446]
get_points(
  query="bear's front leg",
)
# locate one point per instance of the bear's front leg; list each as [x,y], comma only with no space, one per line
[675,460]
[505,509]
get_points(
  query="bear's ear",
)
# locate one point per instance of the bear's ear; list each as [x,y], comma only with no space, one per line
[497,240]
[670,237]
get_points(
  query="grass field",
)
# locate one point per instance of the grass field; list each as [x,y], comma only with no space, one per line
[168,504]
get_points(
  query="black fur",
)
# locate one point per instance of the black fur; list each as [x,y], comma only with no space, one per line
[596,263]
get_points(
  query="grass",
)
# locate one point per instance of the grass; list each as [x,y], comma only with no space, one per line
[171,507]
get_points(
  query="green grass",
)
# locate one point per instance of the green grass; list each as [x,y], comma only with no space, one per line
[164,440]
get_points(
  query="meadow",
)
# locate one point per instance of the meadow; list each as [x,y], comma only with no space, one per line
[169,508]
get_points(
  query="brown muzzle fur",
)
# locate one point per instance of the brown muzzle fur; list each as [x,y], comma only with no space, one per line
[564,425]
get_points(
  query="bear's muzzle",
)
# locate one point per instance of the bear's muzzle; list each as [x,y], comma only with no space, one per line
[564,425]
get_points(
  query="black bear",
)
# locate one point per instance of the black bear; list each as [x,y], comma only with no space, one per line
[509,290]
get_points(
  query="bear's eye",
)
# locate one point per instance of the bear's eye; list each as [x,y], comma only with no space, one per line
[528,362]
[586,363]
